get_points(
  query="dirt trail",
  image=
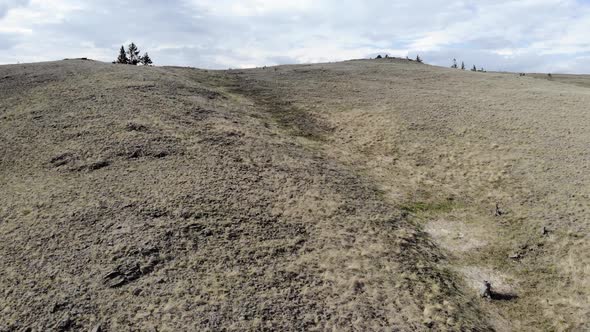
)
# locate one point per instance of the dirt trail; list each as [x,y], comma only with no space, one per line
[448,146]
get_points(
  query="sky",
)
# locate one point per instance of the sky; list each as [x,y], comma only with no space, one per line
[505,35]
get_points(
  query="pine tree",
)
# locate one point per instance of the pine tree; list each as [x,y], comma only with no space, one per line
[462,65]
[133,52]
[418,59]
[146,60]
[454,65]
[122,56]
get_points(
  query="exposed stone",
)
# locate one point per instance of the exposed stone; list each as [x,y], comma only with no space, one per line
[486,290]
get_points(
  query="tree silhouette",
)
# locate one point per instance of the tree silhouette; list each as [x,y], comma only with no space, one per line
[454,65]
[132,57]
[122,56]
[418,59]
[462,65]
[133,52]
[474,68]
[146,60]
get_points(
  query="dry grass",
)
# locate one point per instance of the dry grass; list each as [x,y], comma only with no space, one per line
[346,196]
[447,146]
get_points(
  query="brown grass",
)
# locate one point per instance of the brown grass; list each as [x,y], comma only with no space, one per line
[347,196]
[447,145]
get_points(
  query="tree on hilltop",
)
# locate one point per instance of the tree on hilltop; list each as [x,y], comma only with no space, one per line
[146,60]
[122,56]
[133,53]
[131,56]
[454,65]
[418,59]
[462,65]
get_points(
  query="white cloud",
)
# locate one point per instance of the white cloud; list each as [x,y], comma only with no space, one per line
[252,7]
[517,35]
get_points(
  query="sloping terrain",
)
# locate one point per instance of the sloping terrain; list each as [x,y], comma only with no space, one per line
[453,148]
[350,196]
[146,197]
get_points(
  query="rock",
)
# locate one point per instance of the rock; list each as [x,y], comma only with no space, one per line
[497,211]
[486,290]
[544,231]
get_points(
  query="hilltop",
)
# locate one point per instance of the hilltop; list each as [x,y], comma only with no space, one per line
[358,195]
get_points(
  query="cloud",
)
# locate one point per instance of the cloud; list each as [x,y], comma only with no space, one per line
[519,35]
[6,5]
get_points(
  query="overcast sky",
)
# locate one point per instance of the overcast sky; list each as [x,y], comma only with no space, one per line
[515,35]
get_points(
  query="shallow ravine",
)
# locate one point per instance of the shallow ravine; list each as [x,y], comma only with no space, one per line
[439,147]
[317,133]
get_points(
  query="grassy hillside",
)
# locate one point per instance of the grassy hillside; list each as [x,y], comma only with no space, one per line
[346,196]
[447,146]
[578,80]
